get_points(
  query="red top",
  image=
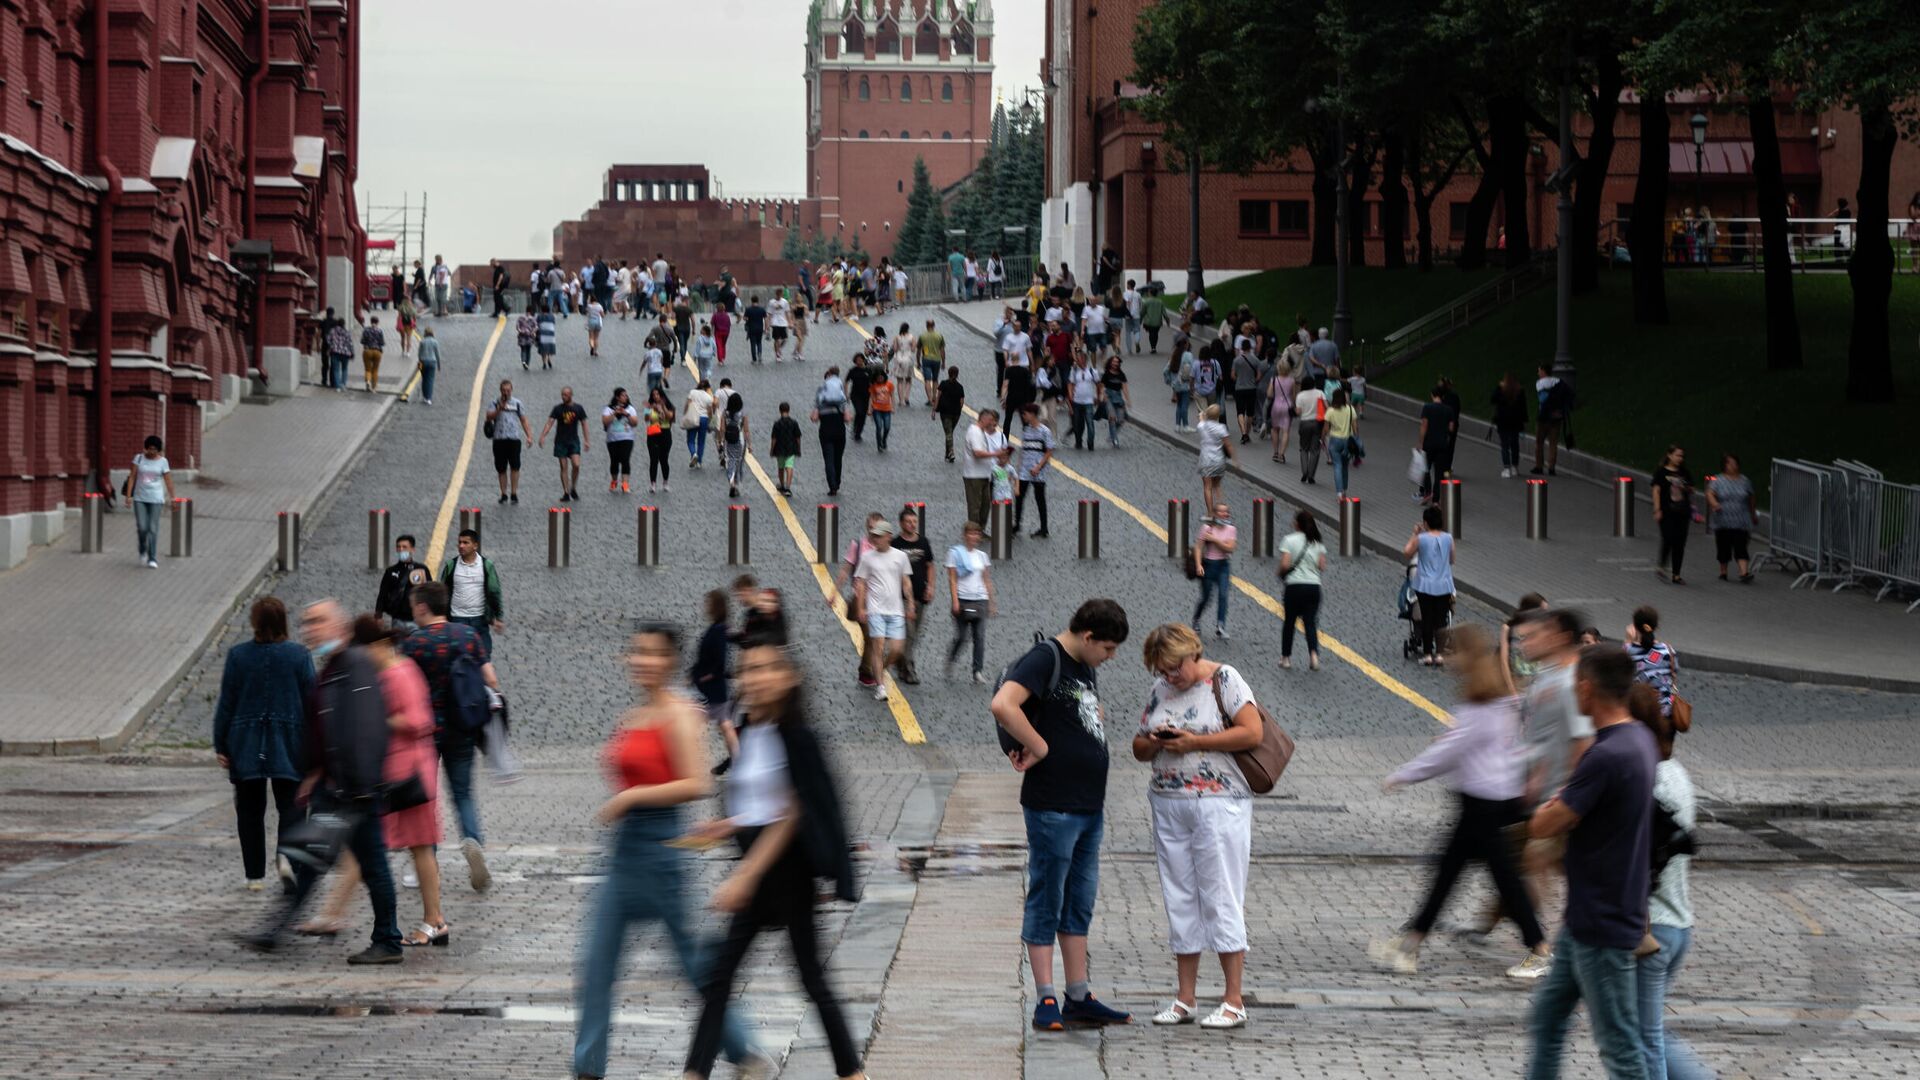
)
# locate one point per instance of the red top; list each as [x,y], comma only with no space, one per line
[638,757]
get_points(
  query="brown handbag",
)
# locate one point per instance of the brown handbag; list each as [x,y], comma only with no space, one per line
[1682,714]
[1261,766]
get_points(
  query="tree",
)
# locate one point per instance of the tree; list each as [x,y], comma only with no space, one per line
[911,243]
[1647,231]
[1865,55]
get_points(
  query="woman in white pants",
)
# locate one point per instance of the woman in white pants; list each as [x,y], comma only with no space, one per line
[1198,714]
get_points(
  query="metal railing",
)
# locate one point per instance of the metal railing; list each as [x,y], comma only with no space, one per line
[1410,340]
[1735,243]
[1847,524]
[932,283]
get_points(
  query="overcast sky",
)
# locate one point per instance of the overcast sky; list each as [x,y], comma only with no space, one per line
[507,114]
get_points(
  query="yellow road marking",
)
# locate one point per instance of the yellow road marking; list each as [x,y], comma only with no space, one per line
[438,545]
[1253,592]
[407,390]
[903,717]
[1806,917]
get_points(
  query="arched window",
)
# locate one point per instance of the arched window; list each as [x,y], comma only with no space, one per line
[866,92]
[863,133]
[948,135]
[927,135]
[926,88]
[906,88]
[855,38]
[899,185]
[963,40]
[886,42]
[946,89]
[927,41]
[884,135]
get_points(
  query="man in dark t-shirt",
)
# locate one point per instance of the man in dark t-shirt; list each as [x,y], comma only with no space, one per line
[920,566]
[1606,812]
[570,417]
[1049,705]
[1437,423]
[950,403]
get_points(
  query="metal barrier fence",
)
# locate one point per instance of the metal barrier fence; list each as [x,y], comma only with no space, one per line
[1845,523]
[1735,243]
[933,283]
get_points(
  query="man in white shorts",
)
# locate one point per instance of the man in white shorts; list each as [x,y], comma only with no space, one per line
[883,601]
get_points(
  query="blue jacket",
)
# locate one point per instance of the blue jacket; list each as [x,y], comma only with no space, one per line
[260,723]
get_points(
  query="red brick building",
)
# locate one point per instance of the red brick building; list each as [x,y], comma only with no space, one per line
[231,128]
[1109,182]
[675,210]
[888,81]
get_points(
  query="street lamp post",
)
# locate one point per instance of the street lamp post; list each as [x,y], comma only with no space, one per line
[1148,159]
[1699,124]
[1196,283]
[1342,307]
[1563,257]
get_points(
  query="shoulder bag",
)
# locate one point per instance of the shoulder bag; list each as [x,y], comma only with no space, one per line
[1262,765]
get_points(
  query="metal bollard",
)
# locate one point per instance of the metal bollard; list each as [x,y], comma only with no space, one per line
[649,536]
[379,538]
[1089,529]
[1536,509]
[288,559]
[1623,506]
[826,533]
[559,537]
[93,524]
[1450,506]
[920,511]
[1350,528]
[182,546]
[1262,528]
[738,524]
[1176,528]
[1000,527]
[470,519]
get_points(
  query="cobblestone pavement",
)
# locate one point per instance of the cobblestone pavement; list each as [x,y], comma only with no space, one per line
[119,879]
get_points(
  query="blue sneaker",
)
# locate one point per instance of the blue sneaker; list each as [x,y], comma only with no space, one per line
[1091,1011]
[1046,1016]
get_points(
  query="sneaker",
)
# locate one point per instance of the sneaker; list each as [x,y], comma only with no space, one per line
[255,884]
[866,680]
[377,954]
[613,485]
[409,879]
[979,678]
[477,873]
[1046,1016]
[1221,633]
[1092,1011]
[1533,967]
[1392,953]
[879,691]
[1506,474]
[153,564]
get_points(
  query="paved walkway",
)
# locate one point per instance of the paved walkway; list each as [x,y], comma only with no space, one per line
[1766,628]
[93,641]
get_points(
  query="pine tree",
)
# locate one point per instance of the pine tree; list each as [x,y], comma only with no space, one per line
[791,249]
[918,232]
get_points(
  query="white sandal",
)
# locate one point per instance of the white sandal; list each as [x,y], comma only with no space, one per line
[1177,1013]
[1224,1017]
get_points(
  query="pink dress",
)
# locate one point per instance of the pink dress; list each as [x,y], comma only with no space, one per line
[410,750]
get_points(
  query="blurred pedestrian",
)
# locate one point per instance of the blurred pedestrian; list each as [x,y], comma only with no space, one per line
[784,812]
[1670,906]
[438,646]
[1199,713]
[260,734]
[1215,452]
[657,761]
[428,364]
[1482,764]
[1303,558]
[1654,661]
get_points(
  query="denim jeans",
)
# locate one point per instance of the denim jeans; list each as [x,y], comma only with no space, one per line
[1338,447]
[1606,980]
[697,440]
[1668,1058]
[1116,417]
[646,881]
[337,365]
[1063,874]
[480,625]
[1182,402]
[1213,582]
[882,426]
[1510,448]
[456,750]
[1083,425]
[146,522]
[428,372]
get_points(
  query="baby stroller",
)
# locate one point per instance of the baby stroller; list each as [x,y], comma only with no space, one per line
[1410,611]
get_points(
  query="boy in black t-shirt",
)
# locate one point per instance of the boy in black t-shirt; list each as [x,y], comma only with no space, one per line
[920,570]
[785,446]
[1050,706]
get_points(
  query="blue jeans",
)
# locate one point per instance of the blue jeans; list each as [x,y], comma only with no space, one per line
[1606,979]
[146,522]
[1182,401]
[1083,425]
[1668,1058]
[1213,582]
[1116,417]
[428,372]
[337,369]
[1340,450]
[697,440]
[480,625]
[1063,874]
[368,843]
[882,427]
[646,882]
[456,750]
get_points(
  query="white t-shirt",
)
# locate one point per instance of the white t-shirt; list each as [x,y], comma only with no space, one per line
[1018,349]
[659,269]
[899,282]
[622,280]
[971,567]
[1306,404]
[883,571]
[469,588]
[624,420]
[777,310]
[656,362]
[442,273]
[980,468]
[149,484]
[757,789]
[1083,383]
[1132,298]
[1094,318]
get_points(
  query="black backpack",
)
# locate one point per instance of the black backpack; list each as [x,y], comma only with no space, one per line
[467,706]
[1008,744]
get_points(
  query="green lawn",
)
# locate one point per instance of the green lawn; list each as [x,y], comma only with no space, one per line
[1701,380]
[1383,300]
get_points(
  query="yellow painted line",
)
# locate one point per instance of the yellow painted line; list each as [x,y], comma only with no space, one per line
[438,545]
[903,716]
[1806,917]
[407,390]
[1253,592]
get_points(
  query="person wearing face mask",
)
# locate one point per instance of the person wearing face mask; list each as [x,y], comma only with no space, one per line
[397,582]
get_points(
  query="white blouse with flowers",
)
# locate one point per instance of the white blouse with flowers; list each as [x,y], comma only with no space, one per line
[1207,773]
